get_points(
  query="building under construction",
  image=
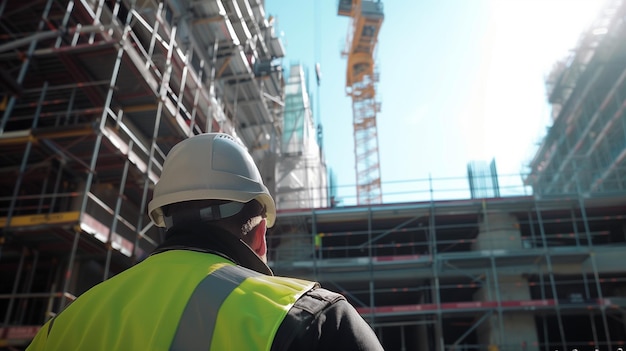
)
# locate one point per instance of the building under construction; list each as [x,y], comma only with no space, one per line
[93,96]
[95,93]
[585,148]
[301,180]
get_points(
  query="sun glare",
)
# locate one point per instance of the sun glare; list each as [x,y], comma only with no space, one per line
[525,39]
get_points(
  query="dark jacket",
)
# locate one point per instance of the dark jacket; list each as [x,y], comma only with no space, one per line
[319,320]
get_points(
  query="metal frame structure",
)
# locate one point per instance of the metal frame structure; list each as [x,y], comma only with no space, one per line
[361,79]
[512,273]
[584,150]
[93,94]
[301,171]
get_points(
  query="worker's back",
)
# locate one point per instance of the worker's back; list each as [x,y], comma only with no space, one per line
[178,299]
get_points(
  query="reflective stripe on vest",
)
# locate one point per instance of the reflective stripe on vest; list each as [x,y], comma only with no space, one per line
[235,308]
[200,315]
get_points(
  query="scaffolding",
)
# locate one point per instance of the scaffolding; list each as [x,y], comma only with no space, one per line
[93,94]
[301,171]
[585,150]
[517,273]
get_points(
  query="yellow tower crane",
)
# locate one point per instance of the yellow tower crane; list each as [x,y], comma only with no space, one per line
[366,20]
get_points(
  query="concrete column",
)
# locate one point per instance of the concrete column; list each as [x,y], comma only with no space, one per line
[498,231]
[504,331]
[516,329]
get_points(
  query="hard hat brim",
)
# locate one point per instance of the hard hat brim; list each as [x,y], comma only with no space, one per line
[156,213]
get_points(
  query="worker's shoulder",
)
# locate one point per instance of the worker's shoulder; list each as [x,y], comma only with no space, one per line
[324,295]
[295,332]
[317,299]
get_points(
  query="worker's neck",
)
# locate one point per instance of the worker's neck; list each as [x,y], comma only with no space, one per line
[211,239]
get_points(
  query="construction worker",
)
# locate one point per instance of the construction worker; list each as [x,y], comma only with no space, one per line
[318,245]
[207,286]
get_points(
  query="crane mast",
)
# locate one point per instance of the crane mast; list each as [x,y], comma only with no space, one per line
[361,79]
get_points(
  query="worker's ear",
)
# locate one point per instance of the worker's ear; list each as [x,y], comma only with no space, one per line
[259,244]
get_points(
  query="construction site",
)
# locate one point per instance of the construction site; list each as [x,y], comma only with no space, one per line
[94,94]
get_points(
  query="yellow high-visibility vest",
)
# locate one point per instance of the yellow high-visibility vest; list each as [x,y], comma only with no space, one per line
[176,300]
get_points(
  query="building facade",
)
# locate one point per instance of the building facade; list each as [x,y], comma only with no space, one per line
[584,150]
[301,170]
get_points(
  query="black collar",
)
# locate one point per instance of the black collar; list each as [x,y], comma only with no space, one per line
[214,240]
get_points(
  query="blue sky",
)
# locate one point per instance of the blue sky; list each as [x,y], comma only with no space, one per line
[460,80]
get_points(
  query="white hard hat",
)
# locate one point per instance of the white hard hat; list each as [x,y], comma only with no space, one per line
[210,166]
